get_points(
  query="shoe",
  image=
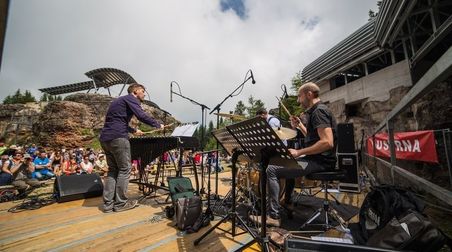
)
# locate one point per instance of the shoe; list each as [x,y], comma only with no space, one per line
[273,222]
[270,221]
[256,219]
[130,204]
[109,210]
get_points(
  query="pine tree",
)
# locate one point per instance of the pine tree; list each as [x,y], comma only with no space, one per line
[7,100]
[240,108]
[18,97]
[28,97]
[43,97]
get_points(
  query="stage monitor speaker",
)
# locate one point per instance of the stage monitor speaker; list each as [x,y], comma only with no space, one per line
[349,163]
[345,138]
[74,187]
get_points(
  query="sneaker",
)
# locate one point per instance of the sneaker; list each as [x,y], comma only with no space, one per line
[273,222]
[107,210]
[270,221]
[256,219]
[130,204]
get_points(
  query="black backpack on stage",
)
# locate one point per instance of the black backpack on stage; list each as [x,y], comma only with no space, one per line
[391,217]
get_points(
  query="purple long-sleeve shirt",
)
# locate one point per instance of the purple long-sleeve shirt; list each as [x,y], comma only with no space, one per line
[119,115]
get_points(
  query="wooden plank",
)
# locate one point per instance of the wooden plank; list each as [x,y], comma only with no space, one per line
[81,226]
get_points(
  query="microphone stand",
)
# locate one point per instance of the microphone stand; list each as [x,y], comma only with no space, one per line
[217,109]
[208,213]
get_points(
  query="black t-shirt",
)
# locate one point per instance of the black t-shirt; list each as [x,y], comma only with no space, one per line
[319,116]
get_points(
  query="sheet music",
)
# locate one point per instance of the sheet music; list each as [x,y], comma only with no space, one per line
[185,130]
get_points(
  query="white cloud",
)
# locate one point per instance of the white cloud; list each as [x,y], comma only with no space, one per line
[205,50]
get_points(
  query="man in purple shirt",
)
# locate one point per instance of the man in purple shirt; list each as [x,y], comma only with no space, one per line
[115,143]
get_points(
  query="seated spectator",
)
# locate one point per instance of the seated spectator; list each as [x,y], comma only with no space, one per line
[134,170]
[22,172]
[69,167]
[86,166]
[42,167]
[32,149]
[91,154]
[101,165]
[10,151]
[6,176]
[56,160]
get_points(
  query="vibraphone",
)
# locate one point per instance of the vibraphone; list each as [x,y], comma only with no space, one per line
[147,149]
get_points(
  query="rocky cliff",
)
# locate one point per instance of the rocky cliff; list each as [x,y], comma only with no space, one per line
[74,122]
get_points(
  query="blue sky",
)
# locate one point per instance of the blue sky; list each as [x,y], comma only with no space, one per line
[237,6]
[207,46]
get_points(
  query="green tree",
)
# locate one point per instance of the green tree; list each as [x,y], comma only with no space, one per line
[7,100]
[48,98]
[373,14]
[44,97]
[28,97]
[254,105]
[18,97]
[291,102]
[240,108]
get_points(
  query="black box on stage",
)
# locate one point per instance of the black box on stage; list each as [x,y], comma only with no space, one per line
[299,245]
[349,163]
[74,187]
[345,138]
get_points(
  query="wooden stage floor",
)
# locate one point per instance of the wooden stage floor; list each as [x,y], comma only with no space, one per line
[81,226]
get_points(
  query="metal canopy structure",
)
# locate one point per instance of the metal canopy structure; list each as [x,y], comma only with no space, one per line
[361,42]
[70,88]
[403,29]
[106,77]
[100,78]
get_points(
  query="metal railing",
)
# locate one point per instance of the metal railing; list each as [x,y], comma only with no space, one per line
[439,71]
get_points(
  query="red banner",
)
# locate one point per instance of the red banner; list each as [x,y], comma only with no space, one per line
[416,145]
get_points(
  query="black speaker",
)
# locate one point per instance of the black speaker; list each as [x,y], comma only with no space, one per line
[74,187]
[345,138]
[349,163]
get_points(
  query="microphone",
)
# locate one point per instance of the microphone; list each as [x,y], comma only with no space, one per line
[252,77]
[171,92]
[285,92]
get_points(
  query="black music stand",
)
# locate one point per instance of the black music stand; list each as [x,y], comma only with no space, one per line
[261,144]
[234,149]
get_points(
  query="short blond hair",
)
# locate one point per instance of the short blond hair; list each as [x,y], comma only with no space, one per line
[310,86]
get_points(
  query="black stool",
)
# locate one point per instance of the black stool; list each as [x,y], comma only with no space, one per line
[326,177]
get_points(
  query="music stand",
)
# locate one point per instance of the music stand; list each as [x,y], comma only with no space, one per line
[261,144]
[233,148]
[186,130]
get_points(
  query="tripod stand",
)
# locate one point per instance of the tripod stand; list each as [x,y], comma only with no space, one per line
[232,215]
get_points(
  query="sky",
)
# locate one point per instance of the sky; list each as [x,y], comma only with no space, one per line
[206,46]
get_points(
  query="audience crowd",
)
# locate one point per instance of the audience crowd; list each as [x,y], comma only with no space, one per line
[26,166]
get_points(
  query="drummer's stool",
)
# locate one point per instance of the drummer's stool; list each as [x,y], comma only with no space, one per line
[326,177]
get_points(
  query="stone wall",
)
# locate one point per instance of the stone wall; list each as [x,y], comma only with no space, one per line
[432,111]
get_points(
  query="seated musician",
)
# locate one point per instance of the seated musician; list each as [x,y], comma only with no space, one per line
[272,121]
[318,155]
